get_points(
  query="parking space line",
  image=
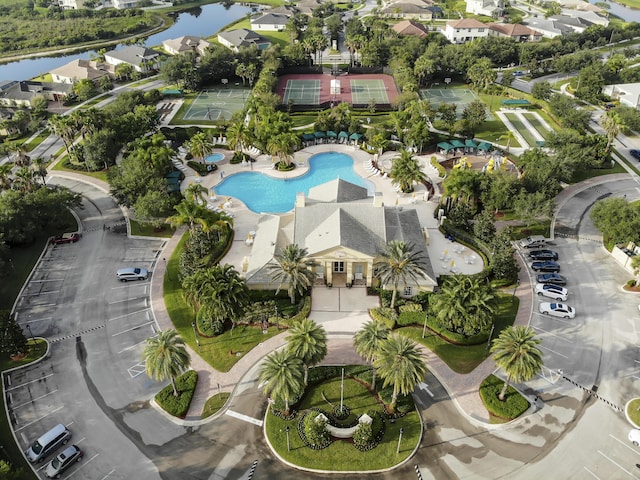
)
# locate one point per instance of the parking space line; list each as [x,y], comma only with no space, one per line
[126,300]
[33,400]
[137,369]
[129,285]
[38,294]
[37,320]
[132,346]
[132,328]
[617,464]
[127,314]
[553,351]
[37,420]
[553,334]
[624,444]
[593,474]
[542,315]
[82,465]
[108,474]
[32,381]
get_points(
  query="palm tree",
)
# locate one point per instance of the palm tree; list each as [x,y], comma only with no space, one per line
[367,342]
[399,263]
[516,352]
[40,168]
[283,147]
[293,268]
[65,128]
[6,179]
[238,135]
[308,341]
[612,124]
[400,364]
[189,213]
[465,305]
[166,357]
[200,145]
[196,193]
[282,376]
[406,171]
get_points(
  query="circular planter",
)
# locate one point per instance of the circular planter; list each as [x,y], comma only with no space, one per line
[633,403]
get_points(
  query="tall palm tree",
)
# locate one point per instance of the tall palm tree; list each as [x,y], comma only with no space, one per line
[197,193]
[166,357]
[464,304]
[238,134]
[308,341]
[6,178]
[39,166]
[400,364]
[200,145]
[65,128]
[612,124]
[292,267]
[189,213]
[367,342]
[283,146]
[399,263]
[406,171]
[516,352]
[282,376]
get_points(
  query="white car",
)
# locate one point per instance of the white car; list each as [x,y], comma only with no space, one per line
[552,291]
[557,310]
[634,437]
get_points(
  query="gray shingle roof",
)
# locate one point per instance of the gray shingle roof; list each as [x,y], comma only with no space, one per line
[134,54]
[243,37]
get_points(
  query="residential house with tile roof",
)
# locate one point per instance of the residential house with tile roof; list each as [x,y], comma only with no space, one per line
[410,27]
[243,38]
[187,43]
[142,59]
[344,230]
[80,69]
[515,31]
[465,30]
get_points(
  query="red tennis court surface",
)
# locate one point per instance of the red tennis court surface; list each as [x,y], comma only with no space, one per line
[345,83]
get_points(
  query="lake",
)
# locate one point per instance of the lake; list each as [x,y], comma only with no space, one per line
[203,21]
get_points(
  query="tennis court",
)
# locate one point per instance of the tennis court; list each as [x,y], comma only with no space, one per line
[460,96]
[364,91]
[302,92]
[217,104]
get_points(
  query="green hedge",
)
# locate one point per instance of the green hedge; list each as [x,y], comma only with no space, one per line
[388,316]
[410,318]
[203,170]
[301,315]
[453,337]
[513,406]
[441,171]
[178,406]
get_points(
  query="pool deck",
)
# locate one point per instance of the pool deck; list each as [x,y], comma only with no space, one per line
[446,256]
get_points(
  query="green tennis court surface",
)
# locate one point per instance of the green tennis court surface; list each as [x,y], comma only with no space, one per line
[305,92]
[364,91]
[461,97]
[217,104]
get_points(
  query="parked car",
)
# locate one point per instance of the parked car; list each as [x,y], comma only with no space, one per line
[557,310]
[543,255]
[546,266]
[132,273]
[634,437]
[554,278]
[635,154]
[58,465]
[66,238]
[552,291]
[534,241]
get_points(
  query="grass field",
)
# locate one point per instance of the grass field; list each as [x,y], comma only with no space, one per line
[522,129]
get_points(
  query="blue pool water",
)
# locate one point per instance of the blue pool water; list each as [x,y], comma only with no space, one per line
[213,158]
[264,194]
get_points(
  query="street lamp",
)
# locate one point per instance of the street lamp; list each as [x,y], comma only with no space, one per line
[277,319]
[195,333]
[166,267]
[288,443]
[514,290]
[30,333]
[400,440]
[424,329]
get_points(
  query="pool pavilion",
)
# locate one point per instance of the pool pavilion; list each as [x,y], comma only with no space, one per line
[343,230]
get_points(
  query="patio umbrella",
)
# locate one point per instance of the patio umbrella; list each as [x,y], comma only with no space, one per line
[331,134]
[343,134]
[319,134]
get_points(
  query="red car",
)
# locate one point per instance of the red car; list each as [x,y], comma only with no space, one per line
[66,238]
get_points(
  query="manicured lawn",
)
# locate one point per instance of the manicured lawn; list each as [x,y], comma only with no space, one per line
[63,165]
[464,359]
[276,38]
[37,348]
[537,124]
[596,172]
[633,411]
[214,404]
[522,130]
[521,231]
[221,352]
[38,140]
[95,100]
[146,230]
[341,455]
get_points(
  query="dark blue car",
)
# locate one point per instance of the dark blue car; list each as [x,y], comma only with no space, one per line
[553,278]
[546,266]
[543,255]
[635,154]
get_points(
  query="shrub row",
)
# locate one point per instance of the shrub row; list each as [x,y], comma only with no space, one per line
[202,170]
[388,316]
[456,338]
[304,312]
[186,386]
[512,407]
[410,318]
[308,420]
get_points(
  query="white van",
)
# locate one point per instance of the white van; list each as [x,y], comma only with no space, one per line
[534,241]
[47,443]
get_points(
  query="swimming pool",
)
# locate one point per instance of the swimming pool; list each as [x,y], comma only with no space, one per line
[264,194]
[213,158]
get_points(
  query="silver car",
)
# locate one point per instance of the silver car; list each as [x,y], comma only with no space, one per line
[68,457]
[132,273]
